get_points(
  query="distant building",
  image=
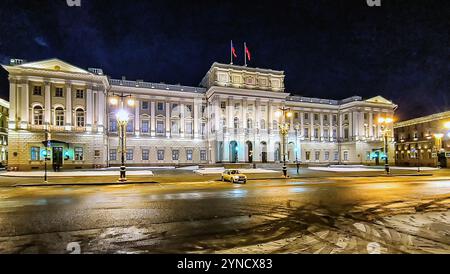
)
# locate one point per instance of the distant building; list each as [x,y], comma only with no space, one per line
[423,141]
[4,118]
[230,118]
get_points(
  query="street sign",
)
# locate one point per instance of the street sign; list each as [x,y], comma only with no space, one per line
[447,154]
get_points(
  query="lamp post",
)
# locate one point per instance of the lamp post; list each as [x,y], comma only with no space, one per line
[385,124]
[47,140]
[122,118]
[284,113]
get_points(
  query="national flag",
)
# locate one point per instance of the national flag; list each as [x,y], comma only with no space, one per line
[247,52]
[233,50]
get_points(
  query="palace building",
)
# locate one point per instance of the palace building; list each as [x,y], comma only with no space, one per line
[423,141]
[229,118]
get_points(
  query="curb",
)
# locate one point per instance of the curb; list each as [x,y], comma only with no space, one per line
[86,184]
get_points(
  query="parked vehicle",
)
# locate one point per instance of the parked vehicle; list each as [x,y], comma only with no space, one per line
[234,176]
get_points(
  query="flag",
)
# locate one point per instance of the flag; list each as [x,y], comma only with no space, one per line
[247,53]
[233,50]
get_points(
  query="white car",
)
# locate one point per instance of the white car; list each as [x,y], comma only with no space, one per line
[234,176]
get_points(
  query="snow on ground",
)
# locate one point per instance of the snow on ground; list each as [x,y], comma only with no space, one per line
[75,173]
[343,169]
[220,170]
[361,168]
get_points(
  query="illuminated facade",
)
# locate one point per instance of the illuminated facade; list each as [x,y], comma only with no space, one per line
[423,141]
[4,117]
[230,118]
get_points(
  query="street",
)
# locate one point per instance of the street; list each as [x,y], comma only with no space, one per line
[314,215]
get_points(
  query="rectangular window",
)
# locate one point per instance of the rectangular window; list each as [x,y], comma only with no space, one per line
[144,105]
[97,153]
[203,156]
[112,154]
[306,116]
[160,155]
[334,133]
[306,132]
[130,126]
[189,111]
[175,128]
[160,106]
[327,155]
[59,92]
[336,156]
[188,127]
[112,125]
[160,127]
[345,155]
[325,118]
[317,156]
[37,90]
[79,156]
[308,155]
[130,154]
[175,155]
[316,117]
[223,105]
[203,129]
[346,133]
[145,155]
[334,118]
[145,126]
[326,133]
[80,94]
[35,153]
[189,154]
[316,133]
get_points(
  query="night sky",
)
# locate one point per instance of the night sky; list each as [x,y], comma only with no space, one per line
[328,49]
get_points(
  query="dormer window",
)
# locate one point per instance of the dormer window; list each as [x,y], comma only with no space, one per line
[59,92]
[37,90]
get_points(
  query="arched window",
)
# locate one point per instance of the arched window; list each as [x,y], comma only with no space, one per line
[263,124]
[38,114]
[236,122]
[59,117]
[249,123]
[79,113]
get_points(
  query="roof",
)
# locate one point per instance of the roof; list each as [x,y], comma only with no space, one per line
[149,85]
[424,119]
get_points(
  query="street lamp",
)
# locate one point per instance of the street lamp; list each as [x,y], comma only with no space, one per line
[284,113]
[122,120]
[385,124]
[122,117]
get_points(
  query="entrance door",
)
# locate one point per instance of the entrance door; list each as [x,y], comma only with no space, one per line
[263,152]
[249,147]
[234,152]
[57,158]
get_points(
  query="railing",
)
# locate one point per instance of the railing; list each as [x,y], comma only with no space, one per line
[141,84]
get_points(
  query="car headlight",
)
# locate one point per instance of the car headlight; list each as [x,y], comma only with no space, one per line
[236,177]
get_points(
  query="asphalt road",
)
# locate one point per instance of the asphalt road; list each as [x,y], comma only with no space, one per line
[333,215]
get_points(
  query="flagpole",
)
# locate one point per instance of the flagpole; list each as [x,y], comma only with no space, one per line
[231,53]
[245,52]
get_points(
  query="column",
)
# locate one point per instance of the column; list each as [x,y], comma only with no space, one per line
[271,112]
[182,119]
[13,103]
[89,109]
[168,125]
[311,126]
[48,102]
[217,114]
[371,133]
[330,130]
[230,118]
[302,124]
[196,122]
[244,113]
[25,105]
[350,125]
[153,119]
[137,118]
[341,127]
[68,112]
[101,111]
[321,126]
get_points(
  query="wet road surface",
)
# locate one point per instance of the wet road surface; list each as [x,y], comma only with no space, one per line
[334,215]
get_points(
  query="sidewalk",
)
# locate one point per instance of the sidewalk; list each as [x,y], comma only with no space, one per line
[91,173]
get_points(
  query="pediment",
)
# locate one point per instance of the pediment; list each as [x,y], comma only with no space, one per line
[379,100]
[54,65]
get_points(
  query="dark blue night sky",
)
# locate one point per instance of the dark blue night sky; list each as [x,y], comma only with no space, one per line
[328,49]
